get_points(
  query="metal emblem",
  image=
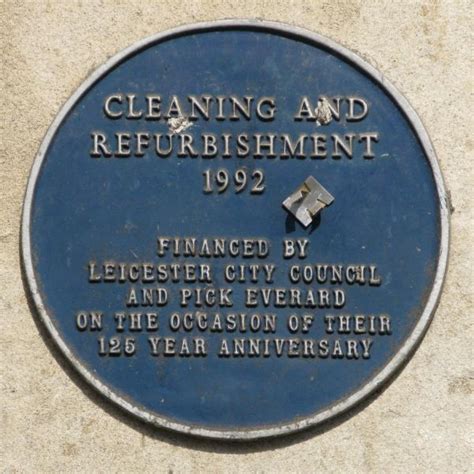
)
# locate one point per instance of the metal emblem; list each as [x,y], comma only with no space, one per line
[307,201]
[164,266]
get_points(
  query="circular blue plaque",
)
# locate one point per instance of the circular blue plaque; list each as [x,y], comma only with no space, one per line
[236,229]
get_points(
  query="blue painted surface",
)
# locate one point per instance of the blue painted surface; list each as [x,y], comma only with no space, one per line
[385,213]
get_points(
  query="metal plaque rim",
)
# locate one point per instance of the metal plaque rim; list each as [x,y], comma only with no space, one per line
[395,362]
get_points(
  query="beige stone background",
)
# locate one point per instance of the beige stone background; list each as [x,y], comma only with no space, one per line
[422,422]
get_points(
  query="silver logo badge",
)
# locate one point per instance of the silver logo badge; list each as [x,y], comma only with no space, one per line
[307,201]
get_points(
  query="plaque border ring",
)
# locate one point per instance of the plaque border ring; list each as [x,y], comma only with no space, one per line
[398,358]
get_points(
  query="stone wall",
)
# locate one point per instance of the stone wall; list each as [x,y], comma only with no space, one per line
[52,422]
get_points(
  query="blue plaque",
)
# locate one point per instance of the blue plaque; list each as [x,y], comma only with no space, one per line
[236,229]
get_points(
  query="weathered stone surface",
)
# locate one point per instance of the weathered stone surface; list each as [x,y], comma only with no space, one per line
[51,422]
